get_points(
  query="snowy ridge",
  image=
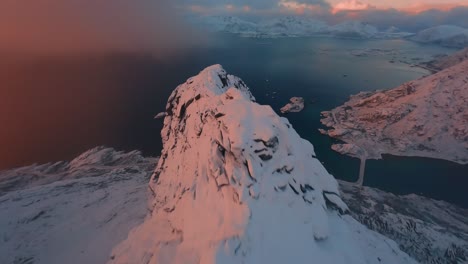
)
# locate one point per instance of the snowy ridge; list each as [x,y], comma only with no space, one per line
[236,184]
[445,35]
[72,212]
[425,118]
[94,162]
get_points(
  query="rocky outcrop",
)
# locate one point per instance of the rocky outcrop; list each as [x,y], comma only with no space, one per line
[236,184]
[296,104]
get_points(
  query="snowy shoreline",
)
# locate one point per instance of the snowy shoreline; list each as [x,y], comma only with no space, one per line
[423,118]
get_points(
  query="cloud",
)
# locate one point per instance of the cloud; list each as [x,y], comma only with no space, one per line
[301,7]
[259,7]
[408,17]
[90,25]
[351,5]
[384,18]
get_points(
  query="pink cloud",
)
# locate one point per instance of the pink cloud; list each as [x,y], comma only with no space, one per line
[230,7]
[299,8]
[351,5]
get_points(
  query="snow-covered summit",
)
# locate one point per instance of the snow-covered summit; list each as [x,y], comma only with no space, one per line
[445,35]
[236,184]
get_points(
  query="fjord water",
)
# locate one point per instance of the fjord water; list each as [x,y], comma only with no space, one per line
[56,108]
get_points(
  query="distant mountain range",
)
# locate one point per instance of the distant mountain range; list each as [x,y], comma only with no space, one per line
[445,35]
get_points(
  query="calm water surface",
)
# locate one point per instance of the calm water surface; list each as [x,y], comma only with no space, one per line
[54,109]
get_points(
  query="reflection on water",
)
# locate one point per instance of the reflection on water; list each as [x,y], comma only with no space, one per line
[55,108]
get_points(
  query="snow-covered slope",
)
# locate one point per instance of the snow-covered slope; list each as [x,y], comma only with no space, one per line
[236,184]
[425,117]
[80,220]
[97,161]
[72,213]
[445,35]
[430,231]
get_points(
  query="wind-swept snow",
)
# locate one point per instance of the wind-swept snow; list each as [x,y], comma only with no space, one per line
[236,184]
[425,117]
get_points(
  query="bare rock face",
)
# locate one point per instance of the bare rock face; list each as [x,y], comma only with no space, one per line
[295,105]
[236,184]
[425,117]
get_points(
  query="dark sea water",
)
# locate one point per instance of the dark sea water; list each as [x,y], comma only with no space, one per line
[55,108]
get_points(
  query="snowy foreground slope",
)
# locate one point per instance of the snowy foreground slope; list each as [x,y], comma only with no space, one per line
[236,184]
[81,220]
[430,231]
[72,212]
[425,117]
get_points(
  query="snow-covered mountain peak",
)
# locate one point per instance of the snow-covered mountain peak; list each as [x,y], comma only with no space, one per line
[236,184]
[445,35]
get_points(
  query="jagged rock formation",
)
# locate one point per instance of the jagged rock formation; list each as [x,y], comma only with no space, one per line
[425,117]
[431,231]
[296,104]
[236,184]
[72,212]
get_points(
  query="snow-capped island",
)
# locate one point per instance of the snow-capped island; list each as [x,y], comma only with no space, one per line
[425,118]
[295,105]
